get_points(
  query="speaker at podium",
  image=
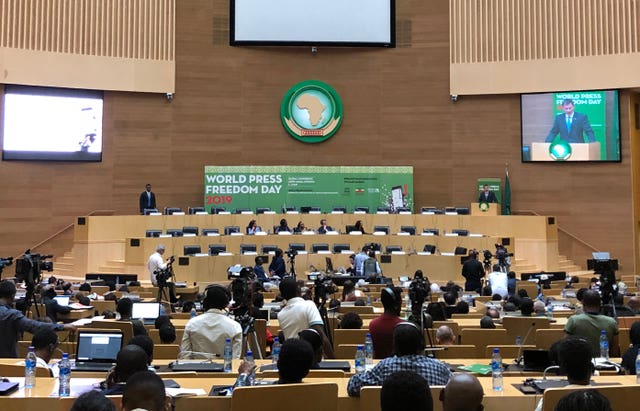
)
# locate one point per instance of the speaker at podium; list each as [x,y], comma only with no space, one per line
[565,151]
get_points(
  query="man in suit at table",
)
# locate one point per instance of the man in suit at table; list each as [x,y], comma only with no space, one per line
[147,199]
[487,196]
[324,227]
[571,125]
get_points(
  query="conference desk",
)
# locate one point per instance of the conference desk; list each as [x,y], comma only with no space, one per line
[510,397]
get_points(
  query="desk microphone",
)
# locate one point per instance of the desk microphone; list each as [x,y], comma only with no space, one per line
[519,358]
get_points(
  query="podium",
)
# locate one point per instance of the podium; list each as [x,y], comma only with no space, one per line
[579,152]
[493,210]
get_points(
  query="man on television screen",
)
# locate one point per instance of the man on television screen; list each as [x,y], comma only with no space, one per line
[571,125]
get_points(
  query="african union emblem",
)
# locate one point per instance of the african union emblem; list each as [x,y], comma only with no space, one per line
[311,111]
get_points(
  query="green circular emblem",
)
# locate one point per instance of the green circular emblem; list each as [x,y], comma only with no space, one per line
[311,111]
[560,151]
[483,206]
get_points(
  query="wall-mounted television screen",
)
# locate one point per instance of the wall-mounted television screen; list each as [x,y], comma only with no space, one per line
[41,123]
[297,23]
[571,126]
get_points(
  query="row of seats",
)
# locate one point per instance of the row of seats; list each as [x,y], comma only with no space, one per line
[319,248]
[229,230]
[311,209]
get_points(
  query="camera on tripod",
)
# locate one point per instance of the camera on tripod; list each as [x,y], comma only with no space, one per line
[29,268]
[323,287]
[292,253]
[163,275]
[5,262]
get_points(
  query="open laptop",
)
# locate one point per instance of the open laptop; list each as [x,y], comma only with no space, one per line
[146,312]
[535,360]
[97,350]
[62,300]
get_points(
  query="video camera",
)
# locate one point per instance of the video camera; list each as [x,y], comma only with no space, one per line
[29,267]
[292,253]
[323,287]
[5,262]
[163,275]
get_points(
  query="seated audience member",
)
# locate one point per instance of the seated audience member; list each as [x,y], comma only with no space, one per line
[574,358]
[589,324]
[408,348]
[634,305]
[629,356]
[522,293]
[45,344]
[406,391]
[146,343]
[167,334]
[573,280]
[487,322]
[450,304]
[452,287]
[463,392]
[208,331]
[526,307]
[382,327]
[434,288]
[486,291]
[462,307]
[334,304]
[161,320]
[511,283]
[129,361]
[437,312]
[493,313]
[315,340]
[51,305]
[93,401]
[349,291]
[259,270]
[145,391]
[86,287]
[445,336]
[351,270]
[294,363]
[299,228]
[583,400]
[496,297]
[621,309]
[539,308]
[351,321]
[509,307]
[66,288]
[187,306]
[253,227]
[284,226]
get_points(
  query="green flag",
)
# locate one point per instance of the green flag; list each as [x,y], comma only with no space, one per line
[506,199]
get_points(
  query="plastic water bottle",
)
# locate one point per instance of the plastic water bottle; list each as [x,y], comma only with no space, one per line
[368,352]
[193,312]
[518,341]
[64,378]
[638,368]
[407,304]
[275,350]
[550,311]
[563,293]
[360,359]
[249,358]
[496,370]
[30,369]
[228,355]
[604,345]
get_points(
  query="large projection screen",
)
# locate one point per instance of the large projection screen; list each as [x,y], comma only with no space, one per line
[350,23]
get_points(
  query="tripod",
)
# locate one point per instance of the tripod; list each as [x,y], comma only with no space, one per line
[292,266]
[30,299]
[249,336]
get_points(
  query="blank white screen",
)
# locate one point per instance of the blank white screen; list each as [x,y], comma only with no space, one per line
[341,21]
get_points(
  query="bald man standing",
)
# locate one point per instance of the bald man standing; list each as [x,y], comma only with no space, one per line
[463,392]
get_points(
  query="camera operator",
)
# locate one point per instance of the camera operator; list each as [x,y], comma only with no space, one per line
[473,272]
[155,264]
[504,258]
[277,266]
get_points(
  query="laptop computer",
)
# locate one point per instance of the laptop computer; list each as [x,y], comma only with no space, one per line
[62,300]
[334,365]
[97,350]
[535,360]
[146,312]
[196,366]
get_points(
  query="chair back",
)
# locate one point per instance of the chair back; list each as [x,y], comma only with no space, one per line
[521,326]
[358,309]
[370,398]
[345,351]
[165,351]
[15,370]
[621,397]
[125,326]
[546,337]
[483,337]
[349,336]
[455,351]
[316,397]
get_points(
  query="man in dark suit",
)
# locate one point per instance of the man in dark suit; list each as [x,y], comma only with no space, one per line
[487,196]
[571,126]
[147,199]
[324,227]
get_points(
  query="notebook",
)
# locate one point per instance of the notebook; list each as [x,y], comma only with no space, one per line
[97,350]
[146,312]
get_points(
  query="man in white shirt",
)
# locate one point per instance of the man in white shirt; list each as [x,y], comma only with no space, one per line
[156,263]
[299,314]
[498,282]
[208,332]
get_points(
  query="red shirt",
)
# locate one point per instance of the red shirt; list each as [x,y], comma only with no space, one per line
[381,330]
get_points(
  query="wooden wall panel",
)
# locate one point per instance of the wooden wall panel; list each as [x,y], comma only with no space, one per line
[397,112]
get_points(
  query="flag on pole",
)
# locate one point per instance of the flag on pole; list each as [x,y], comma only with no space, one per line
[506,201]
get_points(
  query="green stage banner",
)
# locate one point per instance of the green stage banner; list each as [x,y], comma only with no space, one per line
[494,185]
[276,187]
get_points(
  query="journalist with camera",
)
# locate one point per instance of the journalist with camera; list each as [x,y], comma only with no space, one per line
[161,272]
